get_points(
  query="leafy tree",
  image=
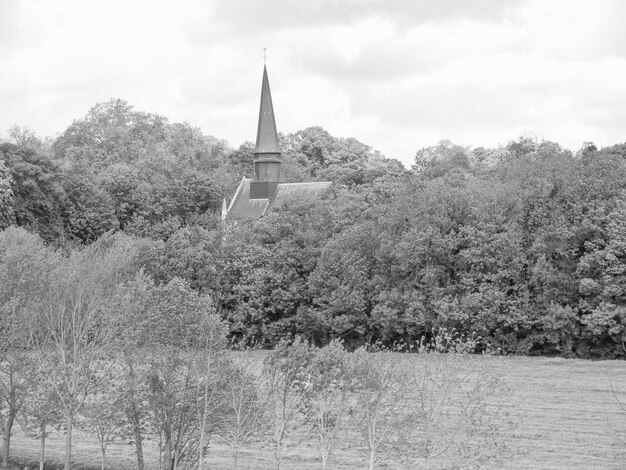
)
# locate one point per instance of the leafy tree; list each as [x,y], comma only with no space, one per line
[16,375]
[436,162]
[319,155]
[40,411]
[312,147]
[7,216]
[111,132]
[131,300]
[103,417]
[38,195]
[344,281]
[187,403]
[191,254]
[184,376]
[240,160]
[26,268]
[172,384]
[602,288]
[264,266]
[175,316]
[24,137]
[130,195]
[73,336]
[90,210]
[153,170]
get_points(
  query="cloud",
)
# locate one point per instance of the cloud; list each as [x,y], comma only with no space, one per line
[244,15]
[609,36]
[376,50]
[501,95]
[11,26]
[396,74]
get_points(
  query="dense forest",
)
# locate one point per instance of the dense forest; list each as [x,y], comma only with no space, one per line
[523,246]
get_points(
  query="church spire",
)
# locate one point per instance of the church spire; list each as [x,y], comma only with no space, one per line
[266,137]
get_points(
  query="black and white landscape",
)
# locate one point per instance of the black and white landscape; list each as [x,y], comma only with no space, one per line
[358,234]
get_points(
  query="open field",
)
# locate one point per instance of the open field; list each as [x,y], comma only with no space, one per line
[565,413]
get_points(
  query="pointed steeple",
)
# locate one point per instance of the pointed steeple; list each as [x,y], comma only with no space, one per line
[266,136]
[257,196]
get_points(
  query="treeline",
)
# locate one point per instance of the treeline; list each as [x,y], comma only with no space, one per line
[523,245]
[88,340]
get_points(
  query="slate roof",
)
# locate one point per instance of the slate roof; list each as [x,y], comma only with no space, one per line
[289,192]
[242,207]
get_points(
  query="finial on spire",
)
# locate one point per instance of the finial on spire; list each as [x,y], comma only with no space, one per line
[265,56]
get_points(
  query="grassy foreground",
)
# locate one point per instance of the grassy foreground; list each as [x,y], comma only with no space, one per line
[566,413]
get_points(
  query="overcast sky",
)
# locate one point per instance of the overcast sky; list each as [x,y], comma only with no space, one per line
[396,74]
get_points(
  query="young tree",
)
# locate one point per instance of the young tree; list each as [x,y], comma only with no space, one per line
[457,403]
[103,416]
[16,374]
[7,217]
[74,338]
[40,411]
[286,383]
[328,404]
[25,270]
[379,391]
[173,381]
[245,409]
[133,392]
[132,301]
[185,369]
[215,368]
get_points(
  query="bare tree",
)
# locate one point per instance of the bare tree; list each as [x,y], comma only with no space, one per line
[379,401]
[457,408]
[215,367]
[457,403]
[615,425]
[286,383]
[327,407]
[245,409]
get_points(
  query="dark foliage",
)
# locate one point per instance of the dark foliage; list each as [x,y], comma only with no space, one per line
[523,245]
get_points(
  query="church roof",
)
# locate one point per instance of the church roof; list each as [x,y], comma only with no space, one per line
[267,182]
[242,207]
[266,136]
[289,192]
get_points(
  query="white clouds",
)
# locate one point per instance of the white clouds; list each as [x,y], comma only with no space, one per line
[397,75]
[238,16]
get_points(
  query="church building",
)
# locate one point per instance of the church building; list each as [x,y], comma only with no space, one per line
[256,196]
